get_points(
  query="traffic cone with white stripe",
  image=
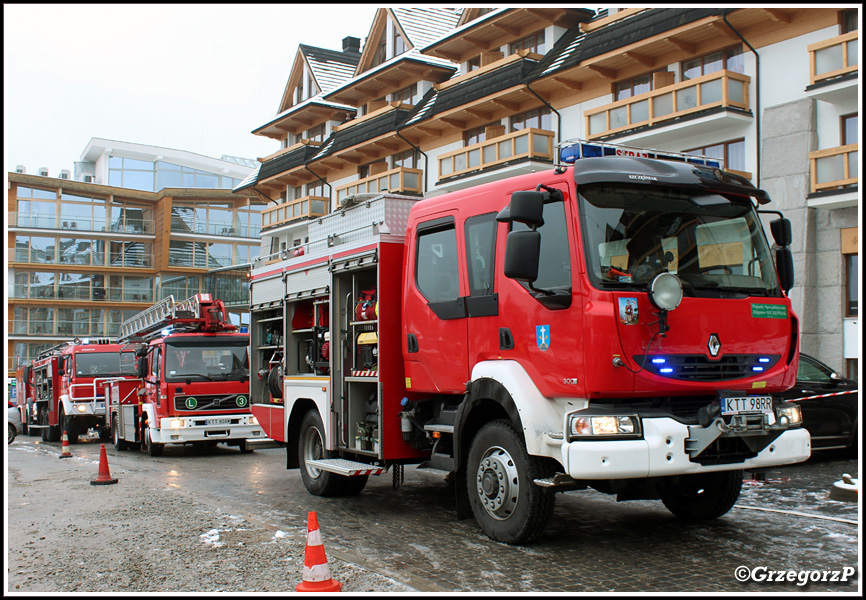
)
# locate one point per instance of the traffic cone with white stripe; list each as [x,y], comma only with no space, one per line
[103,477]
[64,447]
[317,574]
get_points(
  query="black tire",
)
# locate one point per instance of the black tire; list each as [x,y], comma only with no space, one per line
[68,425]
[119,443]
[43,420]
[506,503]
[275,381]
[701,497]
[311,445]
[153,449]
[12,432]
[104,433]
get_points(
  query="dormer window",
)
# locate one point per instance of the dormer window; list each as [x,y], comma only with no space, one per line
[381,54]
[399,44]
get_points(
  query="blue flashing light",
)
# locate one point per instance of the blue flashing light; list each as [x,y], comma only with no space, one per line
[659,361]
[666,370]
[763,360]
[758,369]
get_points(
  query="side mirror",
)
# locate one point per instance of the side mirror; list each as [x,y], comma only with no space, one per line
[141,372]
[781,229]
[522,253]
[785,267]
[525,207]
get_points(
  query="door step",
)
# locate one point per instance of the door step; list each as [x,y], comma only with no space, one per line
[341,466]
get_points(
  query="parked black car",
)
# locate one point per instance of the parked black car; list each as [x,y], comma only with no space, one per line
[830,405]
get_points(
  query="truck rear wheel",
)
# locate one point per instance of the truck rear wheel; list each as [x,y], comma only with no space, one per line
[701,497]
[508,506]
[311,446]
[119,443]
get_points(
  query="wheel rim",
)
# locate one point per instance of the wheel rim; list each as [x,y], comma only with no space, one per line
[114,433]
[497,483]
[313,450]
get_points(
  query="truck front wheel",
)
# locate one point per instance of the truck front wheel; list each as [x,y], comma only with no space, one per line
[508,506]
[68,425]
[311,446]
[701,497]
[153,449]
[119,442]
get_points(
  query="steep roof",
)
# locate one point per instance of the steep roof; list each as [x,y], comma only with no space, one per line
[330,67]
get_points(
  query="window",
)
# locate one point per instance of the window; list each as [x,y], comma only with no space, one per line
[731,60]
[851,294]
[436,271]
[534,119]
[533,43]
[381,54]
[407,159]
[554,266]
[848,21]
[849,129]
[633,87]
[316,134]
[399,43]
[480,253]
[406,95]
[473,63]
[476,135]
[732,153]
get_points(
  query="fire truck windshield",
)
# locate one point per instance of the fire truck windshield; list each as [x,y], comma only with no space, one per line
[713,243]
[104,364]
[210,359]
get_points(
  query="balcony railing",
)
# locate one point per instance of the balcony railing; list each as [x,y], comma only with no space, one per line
[80,292]
[79,224]
[302,208]
[401,180]
[96,259]
[720,89]
[525,143]
[224,228]
[833,58]
[833,168]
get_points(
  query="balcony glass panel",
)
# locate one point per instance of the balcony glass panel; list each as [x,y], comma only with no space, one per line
[736,91]
[687,98]
[540,145]
[445,166]
[474,158]
[711,91]
[318,206]
[411,180]
[640,112]
[460,162]
[504,149]
[521,144]
[663,105]
[828,59]
[852,165]
[489,154]
[852,53]
[597,123]
[619,117]
[394,181]
[830,168]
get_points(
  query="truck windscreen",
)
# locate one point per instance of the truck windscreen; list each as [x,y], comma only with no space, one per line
[104,364]
[210,359]
[713,243]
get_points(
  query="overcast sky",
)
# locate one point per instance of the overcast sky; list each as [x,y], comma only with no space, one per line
[190,77]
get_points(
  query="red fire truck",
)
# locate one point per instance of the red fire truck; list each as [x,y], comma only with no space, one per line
[615,323]
[193,379]
[62,389]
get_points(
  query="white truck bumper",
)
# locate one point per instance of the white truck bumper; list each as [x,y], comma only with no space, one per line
[662,452]
[210,428]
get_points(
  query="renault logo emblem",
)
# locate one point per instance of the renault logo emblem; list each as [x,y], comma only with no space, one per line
[714,345]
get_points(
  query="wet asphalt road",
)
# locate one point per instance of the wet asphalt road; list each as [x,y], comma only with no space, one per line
[784,523]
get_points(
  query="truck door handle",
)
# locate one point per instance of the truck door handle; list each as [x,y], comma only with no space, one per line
[412,343]
[506,340]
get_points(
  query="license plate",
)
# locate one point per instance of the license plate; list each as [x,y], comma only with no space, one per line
[747,405]
[217,421]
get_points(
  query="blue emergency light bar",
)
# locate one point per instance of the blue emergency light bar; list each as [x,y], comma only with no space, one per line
[572,150]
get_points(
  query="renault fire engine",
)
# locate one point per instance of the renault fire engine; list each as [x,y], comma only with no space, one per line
[62,389]
[193,379]
[615,323]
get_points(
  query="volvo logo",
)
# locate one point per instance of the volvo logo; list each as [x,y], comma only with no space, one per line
[714,345]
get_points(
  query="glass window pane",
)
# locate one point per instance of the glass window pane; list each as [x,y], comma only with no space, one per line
[474,158]
[736,91]
[687,98]
[828,59]
[618,117]
[712,63]
[640,111]
[140,165]
[711,91]
[830,169]
[663,105]
[489,153]
[460,162]
[138,180]
[692,69]
[521,144]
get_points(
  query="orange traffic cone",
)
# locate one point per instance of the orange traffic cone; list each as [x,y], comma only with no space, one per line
[104,477]
[64,447]
[317,574]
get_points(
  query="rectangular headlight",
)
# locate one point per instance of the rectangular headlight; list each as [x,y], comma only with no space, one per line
[603,426]
[791,413]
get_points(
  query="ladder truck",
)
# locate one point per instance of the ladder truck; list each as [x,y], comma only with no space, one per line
[62,388]
[193,380]
[618,323]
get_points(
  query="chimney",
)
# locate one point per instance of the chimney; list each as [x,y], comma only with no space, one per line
[64,174]
[351,45]
[20,169]
[43,171]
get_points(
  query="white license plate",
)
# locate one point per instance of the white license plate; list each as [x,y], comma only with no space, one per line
[747,404]
[217,421]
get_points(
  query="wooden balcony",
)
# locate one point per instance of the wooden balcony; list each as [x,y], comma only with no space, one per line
[720,89]
[525,143]
[293,210]
[401,180]
[833,168]
[833,58]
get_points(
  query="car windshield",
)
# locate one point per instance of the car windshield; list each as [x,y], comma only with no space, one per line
[714,243]
[104,364]
[217,360]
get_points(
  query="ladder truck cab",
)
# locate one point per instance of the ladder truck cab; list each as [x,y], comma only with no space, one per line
[62,389]
[619,323]
[193,379]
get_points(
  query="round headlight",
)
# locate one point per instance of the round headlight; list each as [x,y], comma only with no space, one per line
[666,291]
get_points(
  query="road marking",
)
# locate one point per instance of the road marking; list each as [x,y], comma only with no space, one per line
[799,514]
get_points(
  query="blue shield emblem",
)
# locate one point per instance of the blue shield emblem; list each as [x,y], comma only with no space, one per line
[542,337]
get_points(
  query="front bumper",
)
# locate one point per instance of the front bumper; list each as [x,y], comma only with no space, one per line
[212,428]
[662,452]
